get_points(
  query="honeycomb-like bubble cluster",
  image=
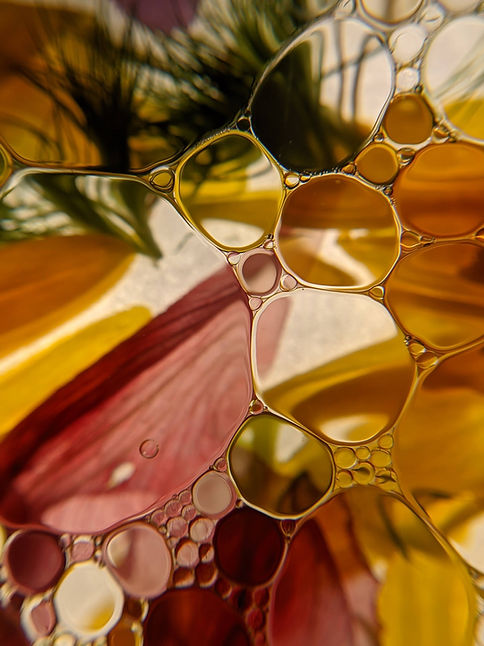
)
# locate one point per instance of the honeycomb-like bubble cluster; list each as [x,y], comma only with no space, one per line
[359,257]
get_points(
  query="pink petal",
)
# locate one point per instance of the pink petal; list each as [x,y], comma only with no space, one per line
[183,381]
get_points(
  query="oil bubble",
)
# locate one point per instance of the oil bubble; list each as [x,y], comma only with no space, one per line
[149,449]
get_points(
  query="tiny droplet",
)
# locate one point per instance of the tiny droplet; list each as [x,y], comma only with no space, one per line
[149,449]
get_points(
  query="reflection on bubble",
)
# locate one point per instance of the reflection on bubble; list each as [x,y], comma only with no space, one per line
[279,468]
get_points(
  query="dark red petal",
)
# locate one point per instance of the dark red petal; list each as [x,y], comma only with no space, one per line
[248,546]
[11,633]
[193,617]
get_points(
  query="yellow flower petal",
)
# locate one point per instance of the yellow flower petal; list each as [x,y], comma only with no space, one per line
[45,282]
[426,594]
[26,386]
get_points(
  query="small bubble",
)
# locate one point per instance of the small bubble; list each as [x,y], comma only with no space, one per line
[149,449]
[243,124]
[407,79]
[185,497]
[206,574]
[350,168]
[206,553]
[183,578]
[177,527]
[344,479]
[173,508]
[288,282]
[291,180]
[187,554]
[409,240]
[189,512]
[256,407]
[416,348]
[82,550]
[223,588]
[405,155]
[242,598]
[163,180]
[432,17]
[255,302]
[233,258]
[385,478]
[136,608]
[65,640]
[344,9]
[201,530]
[440,133]
[362,453]
[158,517]
[364,473]
[261,597]
[288,526]
[386,441]
[377,292]
[427,360]
[380,458]
[345,457]
[406,42]
[221,464]
[305,178]
[255,619]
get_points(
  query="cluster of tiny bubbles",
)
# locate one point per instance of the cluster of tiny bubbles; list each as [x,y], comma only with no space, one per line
[319,239]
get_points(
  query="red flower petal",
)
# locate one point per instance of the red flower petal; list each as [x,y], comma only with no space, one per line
[183,380]
[325,593]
